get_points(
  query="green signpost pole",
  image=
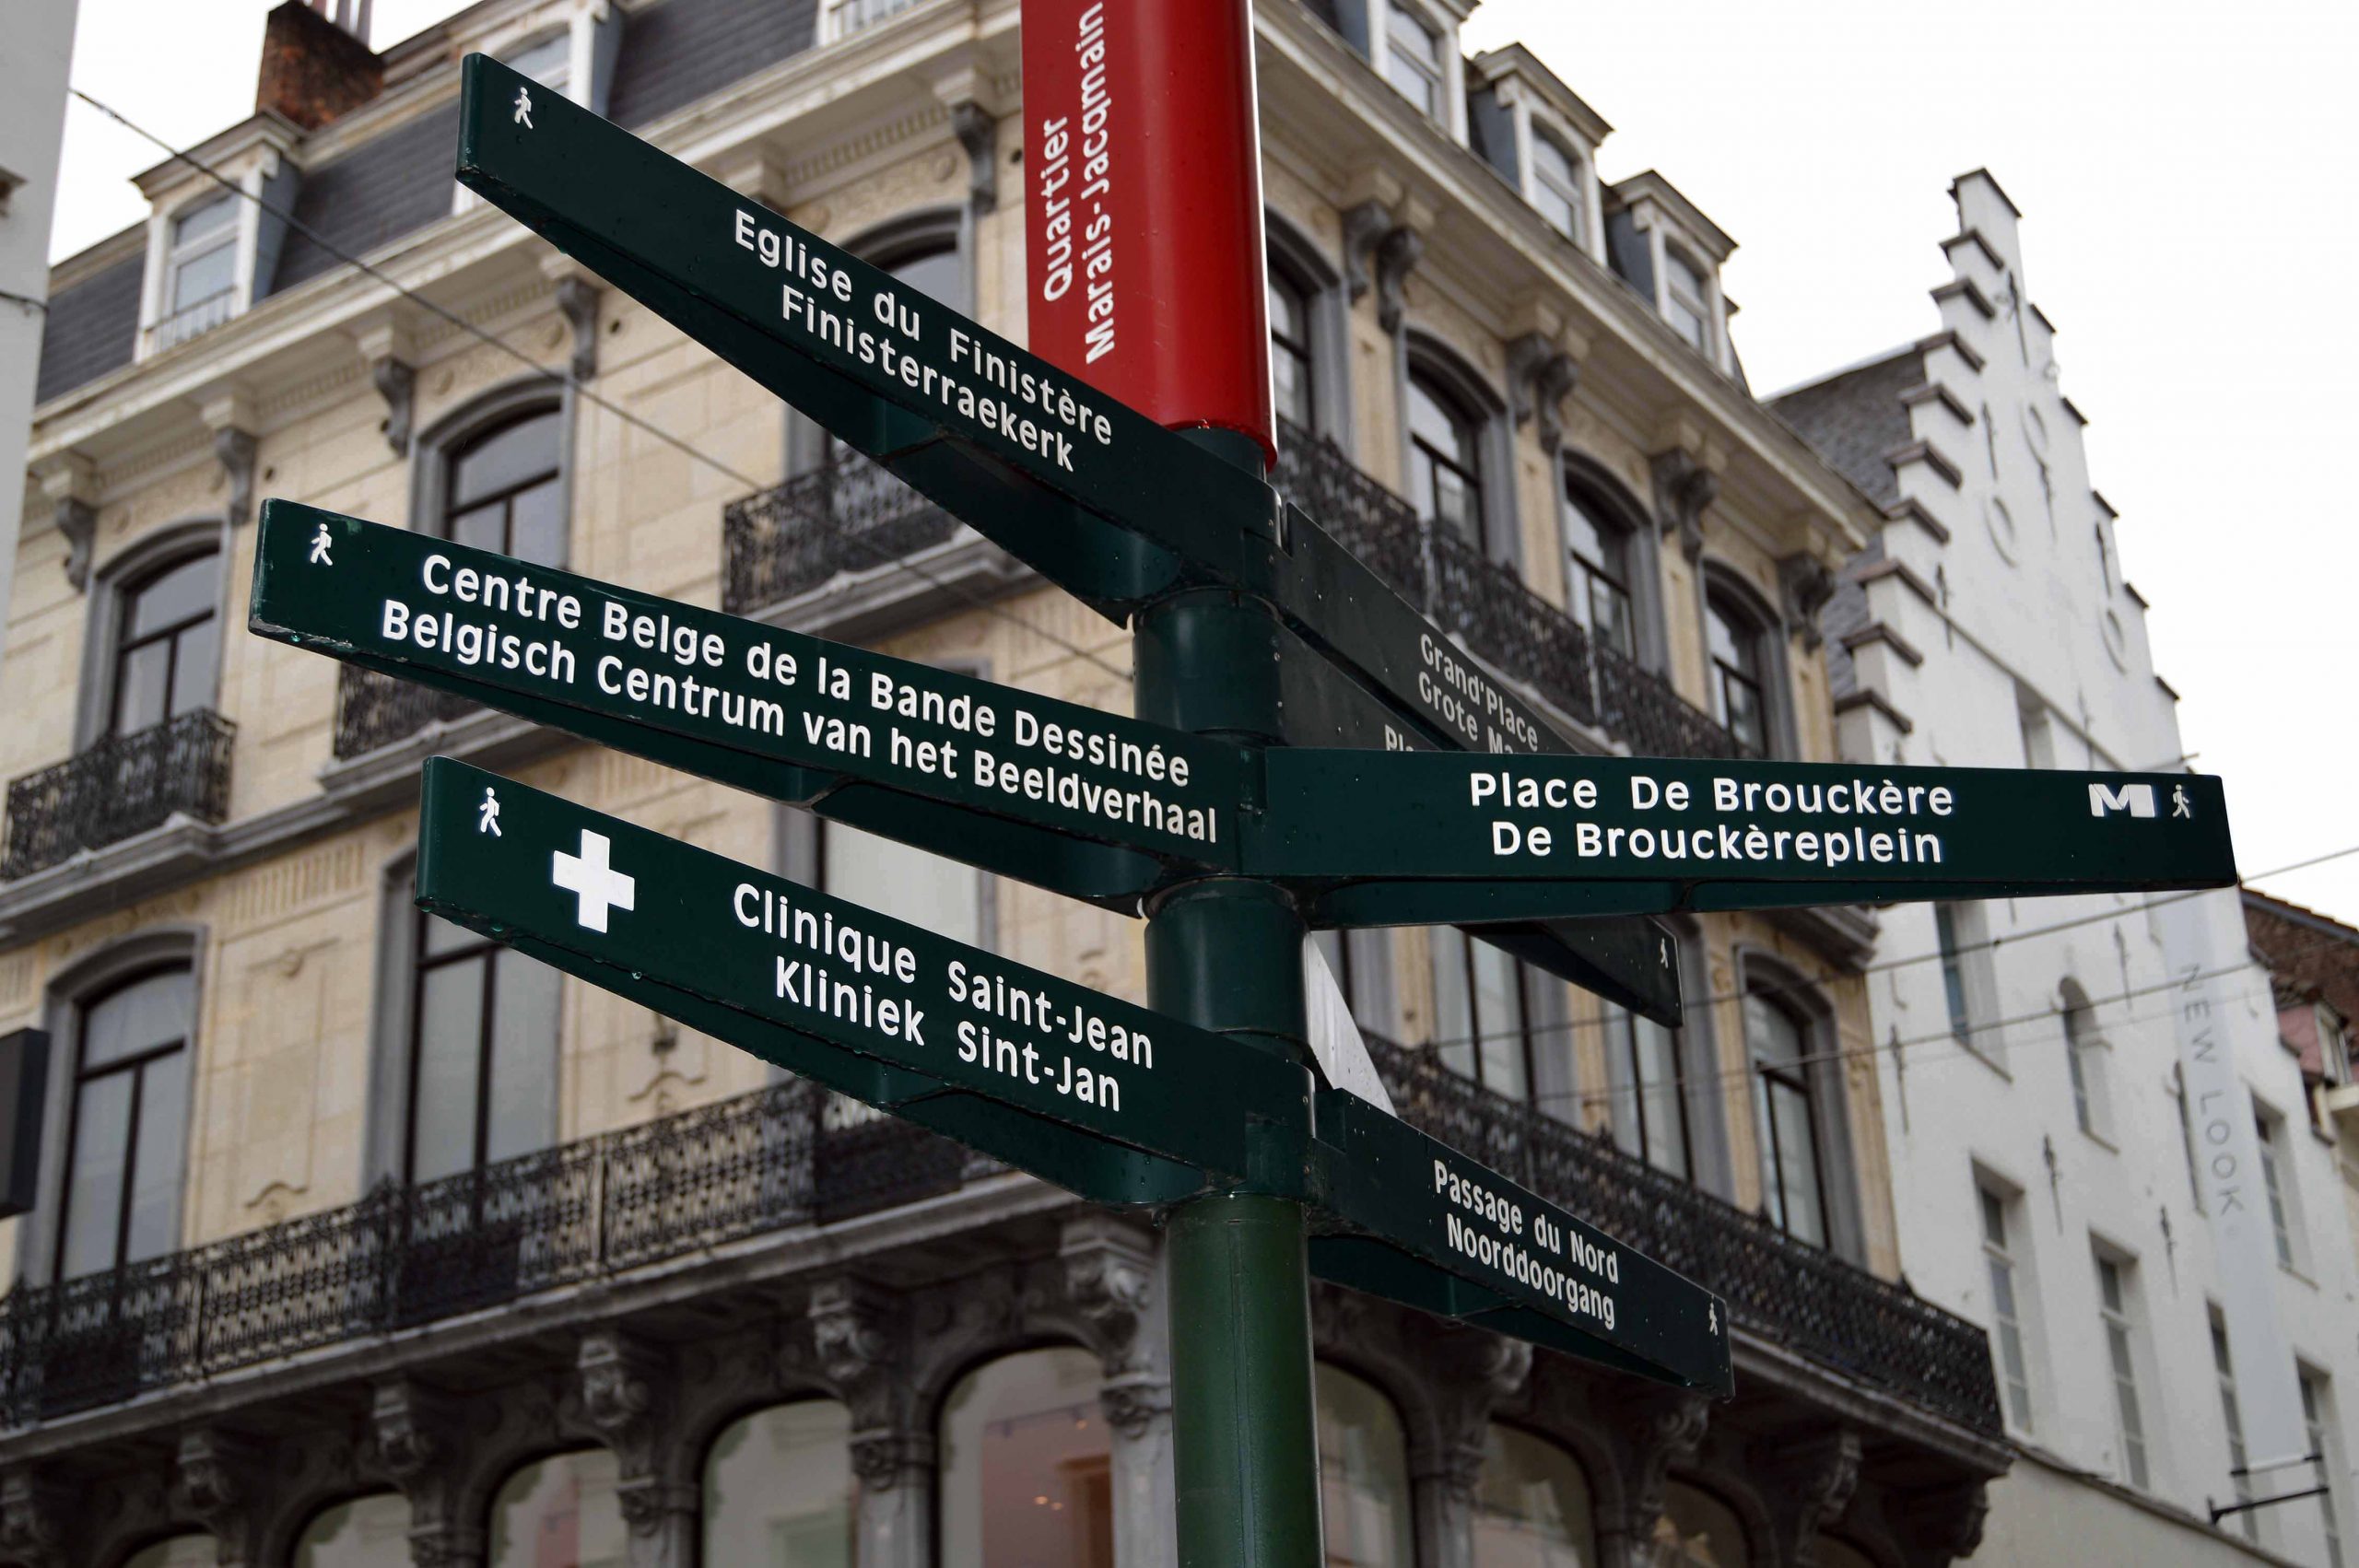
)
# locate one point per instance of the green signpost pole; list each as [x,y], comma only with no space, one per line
[1226,954]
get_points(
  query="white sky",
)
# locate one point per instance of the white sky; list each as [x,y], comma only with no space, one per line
[2185,176]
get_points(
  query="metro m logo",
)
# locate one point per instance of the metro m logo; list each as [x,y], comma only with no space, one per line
[2138,800]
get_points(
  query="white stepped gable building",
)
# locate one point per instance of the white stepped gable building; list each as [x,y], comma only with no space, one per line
[2043,1164]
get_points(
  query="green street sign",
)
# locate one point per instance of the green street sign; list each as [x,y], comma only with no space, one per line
[1034,457]
[1434,838]
[1119,1103]
[1424,1225]
[1095,805]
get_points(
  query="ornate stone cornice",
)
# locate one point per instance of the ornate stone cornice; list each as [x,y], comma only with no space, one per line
[396,382]
[409,1430]
[1109,1278]
[70,481]
[978,131]
[34,1508]
[1805,585]
[1540,376]
[1808,1478]
[215,1477]
[854,1337]
[883,1457]
[1379,253]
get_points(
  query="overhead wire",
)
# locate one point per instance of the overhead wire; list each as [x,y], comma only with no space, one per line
[565,377]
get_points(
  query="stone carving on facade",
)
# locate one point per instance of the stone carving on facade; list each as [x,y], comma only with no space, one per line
[215,1483]
[1684,488]
[1939,1525]
[396,382]
[852,1335]
[70,483]
[1380,251]
[1540,376]
[1805,585]
[235,449]
[577,301]
[881,1459]
[1655,1429]
[978,131]
[34,1510]
[1807,1480]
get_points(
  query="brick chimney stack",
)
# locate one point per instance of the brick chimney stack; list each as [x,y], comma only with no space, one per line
[314,68]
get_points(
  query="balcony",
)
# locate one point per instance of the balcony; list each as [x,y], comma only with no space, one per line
[373,709]
[1487,604]
[191,320]
[123,785]
[782,1157]
[403,1256]
[848,515]
[1800,1297]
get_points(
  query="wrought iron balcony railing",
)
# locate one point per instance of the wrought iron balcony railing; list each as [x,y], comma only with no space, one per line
[1485,602]
[847,515]
[403,1256]
[1793,1294]
[374,710]
[123,785]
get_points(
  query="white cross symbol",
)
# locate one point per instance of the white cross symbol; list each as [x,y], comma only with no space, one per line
[590,879]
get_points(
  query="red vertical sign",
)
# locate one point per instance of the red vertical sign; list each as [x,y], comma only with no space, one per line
[1142,205]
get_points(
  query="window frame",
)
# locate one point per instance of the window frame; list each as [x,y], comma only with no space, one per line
[2317,1420]
[1611,503]
[1572,190]
[1288,251]
[1433,74]
[39,1236]
[1720,582]
[179,253]
[2284,1212]
[81,1074]
[2008,1337]
[1424,357]
[1697,302]
[434,452]
[2232,1421]
[2118,1322]
[1528,982]
[809,445]
[1838,1185]
[136,564]
[1621,1028]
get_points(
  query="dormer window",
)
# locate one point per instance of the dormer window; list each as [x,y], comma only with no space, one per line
[1686,301]
[201,271]
[1413,59]
[1557,185]
[548,60]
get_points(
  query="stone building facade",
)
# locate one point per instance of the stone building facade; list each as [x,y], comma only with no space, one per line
[2046,1150]
[361,1244]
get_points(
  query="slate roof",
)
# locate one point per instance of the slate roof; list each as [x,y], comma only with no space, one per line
[90,328]
[400,182]
[1855,417]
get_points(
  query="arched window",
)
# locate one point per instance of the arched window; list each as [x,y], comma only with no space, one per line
[1599,568]
[1649,1097]
[1484,1002]
[1557,185]
[1697,1530]
[1531,1505]
[1445,457]
[1026,1465]
[167,644]
[2084,1059]
[1363,1474]
[779,1490]
[367,1532]
[1793,1182]
[562,1512]
[1738,644]
[127,1139]
[180,1551]
[503,487]
[482,1056]
[1293,381]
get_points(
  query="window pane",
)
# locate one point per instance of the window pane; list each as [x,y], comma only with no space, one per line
[1498,1010]
[94,1184]
[1773,1033]
[155,1162]
[1433,421]
[207,217]
[1665,1112]
[1026,1463]
[484,527]
[1414,38]
[1732,637]
[526,450]
[536,523]
[779,1490]
[1697,1530]
[367,1532]
[1798,1163]
[141,677]
[561,1513]
[1363,1474]
[937,274]
[523,1055]
[1531,1505]
[203,275]
[1453,1006]
[911,884]
[450,1035]
[187,590]
[142,1015]
[441,936]
[196,670]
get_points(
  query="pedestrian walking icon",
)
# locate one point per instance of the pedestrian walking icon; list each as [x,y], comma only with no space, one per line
[524,107]
[320,544]
[2180,806]
[488,815]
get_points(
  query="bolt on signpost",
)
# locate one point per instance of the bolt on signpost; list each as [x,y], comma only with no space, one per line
[1211,811]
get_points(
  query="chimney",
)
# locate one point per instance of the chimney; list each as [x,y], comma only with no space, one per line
[315,67]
